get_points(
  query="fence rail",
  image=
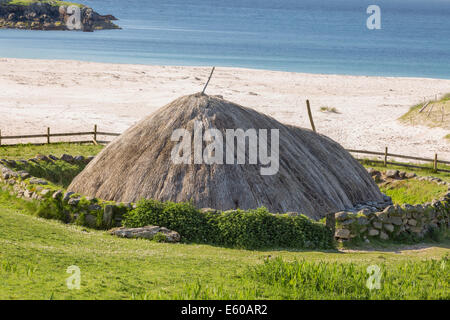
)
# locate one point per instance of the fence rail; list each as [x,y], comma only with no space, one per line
[95,133]
[48,135]
[386,155]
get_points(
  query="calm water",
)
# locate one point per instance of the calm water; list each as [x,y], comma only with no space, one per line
[317,36]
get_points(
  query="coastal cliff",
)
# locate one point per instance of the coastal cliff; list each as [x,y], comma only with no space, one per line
[52,15]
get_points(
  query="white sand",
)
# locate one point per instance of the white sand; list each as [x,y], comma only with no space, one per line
[73,96]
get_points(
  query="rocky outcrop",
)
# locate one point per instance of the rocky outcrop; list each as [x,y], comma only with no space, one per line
[46,16]
[148,232]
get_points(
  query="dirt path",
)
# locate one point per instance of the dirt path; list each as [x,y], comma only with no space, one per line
[399,249]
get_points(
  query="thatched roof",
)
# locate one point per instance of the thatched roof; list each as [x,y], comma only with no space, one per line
[316,175]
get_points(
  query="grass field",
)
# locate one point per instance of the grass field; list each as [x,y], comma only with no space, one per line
[35,254]
[27,151]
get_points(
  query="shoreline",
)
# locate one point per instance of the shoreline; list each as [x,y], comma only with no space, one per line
[71,95]
[218,66]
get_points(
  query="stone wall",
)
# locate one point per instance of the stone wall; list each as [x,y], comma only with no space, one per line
[76,208]
[371,220]
[394,221]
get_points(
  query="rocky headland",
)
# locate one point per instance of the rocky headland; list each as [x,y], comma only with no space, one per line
[52,15]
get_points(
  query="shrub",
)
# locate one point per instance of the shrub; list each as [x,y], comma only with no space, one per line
[181,217]
[51,209]
[234,228]
[159,237]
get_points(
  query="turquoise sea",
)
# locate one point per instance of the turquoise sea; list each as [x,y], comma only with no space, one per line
[315,36]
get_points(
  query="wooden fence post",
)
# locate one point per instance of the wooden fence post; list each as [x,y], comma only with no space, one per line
[48,135]
[310,116]
[435,162]
[385,156]
[95,133]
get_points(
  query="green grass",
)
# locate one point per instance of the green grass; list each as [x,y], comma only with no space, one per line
[35,254]
[51,2]
[331,280]
[447,137]
[412,191]
[26,151]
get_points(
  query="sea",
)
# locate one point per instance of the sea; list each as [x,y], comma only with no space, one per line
[412,38]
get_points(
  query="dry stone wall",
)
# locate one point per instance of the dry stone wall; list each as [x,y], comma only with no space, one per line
[372,220]
[76,208]
[394,221]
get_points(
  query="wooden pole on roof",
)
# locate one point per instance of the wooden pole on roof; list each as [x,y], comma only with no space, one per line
[207,82]
[310,116]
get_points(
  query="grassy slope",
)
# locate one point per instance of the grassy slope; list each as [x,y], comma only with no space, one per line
[412,191]
[432,119]
[35,254]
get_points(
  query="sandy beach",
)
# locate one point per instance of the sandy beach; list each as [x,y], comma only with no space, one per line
[73,96]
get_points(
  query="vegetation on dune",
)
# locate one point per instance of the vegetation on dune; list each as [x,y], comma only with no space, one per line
[435,114]
[26,151]
[36,254]
[329,109]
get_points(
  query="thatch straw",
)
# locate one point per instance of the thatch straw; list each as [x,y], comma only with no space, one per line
[316,175]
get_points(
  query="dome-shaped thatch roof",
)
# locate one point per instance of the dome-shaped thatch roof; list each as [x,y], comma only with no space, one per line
[316,175]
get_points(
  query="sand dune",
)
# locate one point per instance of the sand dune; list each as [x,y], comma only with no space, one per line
[73,96]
